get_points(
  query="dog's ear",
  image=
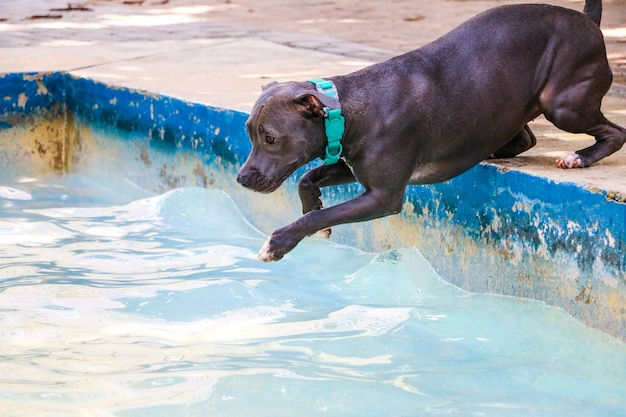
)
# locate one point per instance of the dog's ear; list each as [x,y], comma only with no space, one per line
[313,103]
[310,106]
[270,85]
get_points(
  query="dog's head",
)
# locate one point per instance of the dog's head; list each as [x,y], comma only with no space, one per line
[286,130]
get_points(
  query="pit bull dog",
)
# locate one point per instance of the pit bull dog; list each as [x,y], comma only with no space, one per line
[430,114]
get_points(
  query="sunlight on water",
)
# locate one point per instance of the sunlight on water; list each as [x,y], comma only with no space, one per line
[114,302]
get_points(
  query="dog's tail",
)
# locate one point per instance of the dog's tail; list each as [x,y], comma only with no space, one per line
[593,10]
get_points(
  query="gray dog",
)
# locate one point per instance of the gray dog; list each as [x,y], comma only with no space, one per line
[431,114]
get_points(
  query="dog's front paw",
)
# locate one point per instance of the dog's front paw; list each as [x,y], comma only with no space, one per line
[265,254]
[278,245]
[569,160]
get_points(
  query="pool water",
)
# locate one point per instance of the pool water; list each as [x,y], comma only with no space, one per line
[117,302]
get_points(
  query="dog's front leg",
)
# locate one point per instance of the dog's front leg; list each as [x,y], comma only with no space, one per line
[369,205]
[322,176]
[309,187]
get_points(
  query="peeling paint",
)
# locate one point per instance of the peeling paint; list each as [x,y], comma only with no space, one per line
[22,99]
[615,196]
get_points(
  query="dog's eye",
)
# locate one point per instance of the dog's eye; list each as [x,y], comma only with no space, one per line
[270,139]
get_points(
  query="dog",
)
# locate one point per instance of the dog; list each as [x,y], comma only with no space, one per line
[430,114]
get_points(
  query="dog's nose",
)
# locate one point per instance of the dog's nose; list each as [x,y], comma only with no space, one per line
[243,180]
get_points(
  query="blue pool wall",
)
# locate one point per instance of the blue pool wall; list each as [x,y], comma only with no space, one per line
[488,230]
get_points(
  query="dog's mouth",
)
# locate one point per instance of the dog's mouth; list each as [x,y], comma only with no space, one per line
[260,183]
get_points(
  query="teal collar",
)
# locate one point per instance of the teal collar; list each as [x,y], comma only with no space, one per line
[333,121]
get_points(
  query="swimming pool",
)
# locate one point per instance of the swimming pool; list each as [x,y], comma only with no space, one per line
[124,294]
[531,237]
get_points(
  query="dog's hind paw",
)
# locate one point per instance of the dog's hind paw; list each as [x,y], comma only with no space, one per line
[324,233]
[569,160]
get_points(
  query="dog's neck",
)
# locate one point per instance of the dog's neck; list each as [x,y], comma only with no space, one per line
[353,109]
[334,121]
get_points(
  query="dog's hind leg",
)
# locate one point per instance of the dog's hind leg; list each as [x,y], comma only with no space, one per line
[523,141]
[575,108]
